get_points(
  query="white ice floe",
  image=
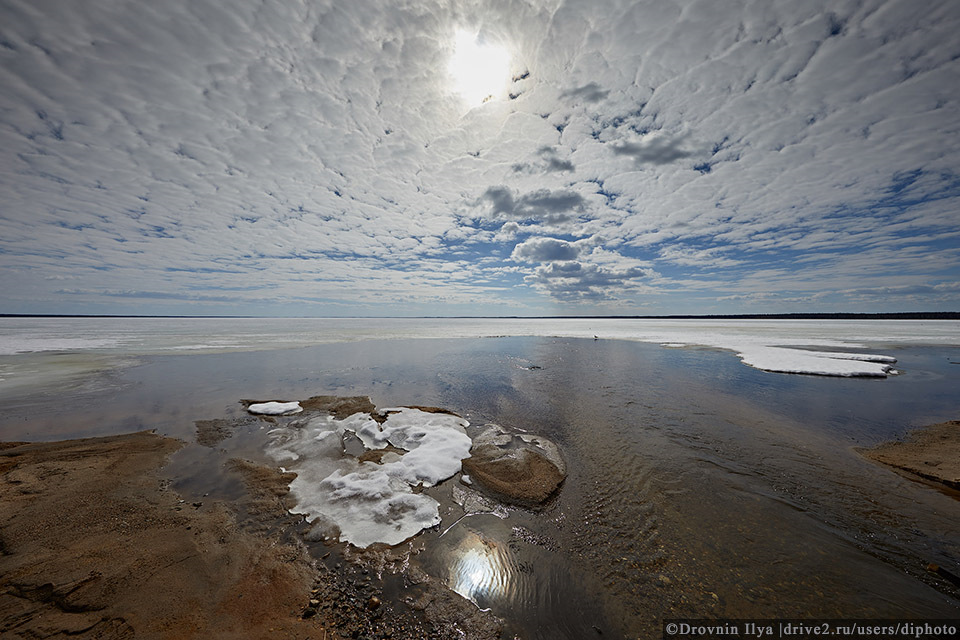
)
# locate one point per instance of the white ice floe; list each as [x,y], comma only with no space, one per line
[370,505]
[436,443]
[365,501]
[275,408]
[826,363]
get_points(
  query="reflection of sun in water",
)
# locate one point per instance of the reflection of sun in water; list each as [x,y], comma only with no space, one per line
[480,71]
[479,571]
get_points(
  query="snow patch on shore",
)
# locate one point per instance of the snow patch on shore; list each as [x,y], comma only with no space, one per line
[365,501]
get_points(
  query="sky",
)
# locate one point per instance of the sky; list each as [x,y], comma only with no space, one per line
[327,158]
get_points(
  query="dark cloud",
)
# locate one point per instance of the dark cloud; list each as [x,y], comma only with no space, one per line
[590,92]
[578,281]
[554,161]
[657,151]
[545,250]
[548,161]
[544,205]
[501,199]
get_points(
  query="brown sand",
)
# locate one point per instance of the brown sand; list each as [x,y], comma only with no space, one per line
[93,546]
[932,453]
[211,433]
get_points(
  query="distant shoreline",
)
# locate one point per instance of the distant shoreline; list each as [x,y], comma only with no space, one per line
[907,315]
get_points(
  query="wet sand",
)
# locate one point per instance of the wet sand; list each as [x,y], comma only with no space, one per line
[931,452]
[93,544]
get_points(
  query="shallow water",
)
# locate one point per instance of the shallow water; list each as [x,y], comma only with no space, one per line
[697,486]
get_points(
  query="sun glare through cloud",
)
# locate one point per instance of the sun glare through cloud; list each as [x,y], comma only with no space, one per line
[480,71]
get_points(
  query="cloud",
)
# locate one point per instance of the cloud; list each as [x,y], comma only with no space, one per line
[292,158]
[545,250]
[548,160]
[508,231]
[590,92]
[690,256]
[570,281]
[655,150]
[549,207]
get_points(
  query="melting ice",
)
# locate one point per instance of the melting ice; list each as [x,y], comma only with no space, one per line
[369,502]
[275,408]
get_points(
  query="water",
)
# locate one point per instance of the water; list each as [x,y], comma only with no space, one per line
[697,486]
[59,352]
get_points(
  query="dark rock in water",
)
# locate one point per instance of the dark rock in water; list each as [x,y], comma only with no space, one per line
[376,455]
[340,407]
[523,469]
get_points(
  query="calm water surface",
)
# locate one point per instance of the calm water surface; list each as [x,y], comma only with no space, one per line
[697,486]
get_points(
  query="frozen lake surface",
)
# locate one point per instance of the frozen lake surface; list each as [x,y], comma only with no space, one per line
[43,350]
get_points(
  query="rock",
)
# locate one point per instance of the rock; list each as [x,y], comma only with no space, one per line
[340,407]
[522,469]
[373,603]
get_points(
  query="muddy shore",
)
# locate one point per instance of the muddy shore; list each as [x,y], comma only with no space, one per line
[94,544]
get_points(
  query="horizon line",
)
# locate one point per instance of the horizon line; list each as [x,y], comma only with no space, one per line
[835,315]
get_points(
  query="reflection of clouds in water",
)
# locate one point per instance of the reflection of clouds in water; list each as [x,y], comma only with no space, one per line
[481,570]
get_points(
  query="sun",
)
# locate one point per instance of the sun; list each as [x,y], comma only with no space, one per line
[480,71]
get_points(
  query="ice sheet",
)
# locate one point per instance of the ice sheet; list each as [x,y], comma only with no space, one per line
[825,363]
[142,336]
[364,501]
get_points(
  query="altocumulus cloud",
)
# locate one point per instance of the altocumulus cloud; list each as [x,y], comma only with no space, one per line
[545,250]
[543,205]
[659,156]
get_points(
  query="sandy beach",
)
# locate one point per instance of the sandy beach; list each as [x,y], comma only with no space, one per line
[95,546]
[931,453]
